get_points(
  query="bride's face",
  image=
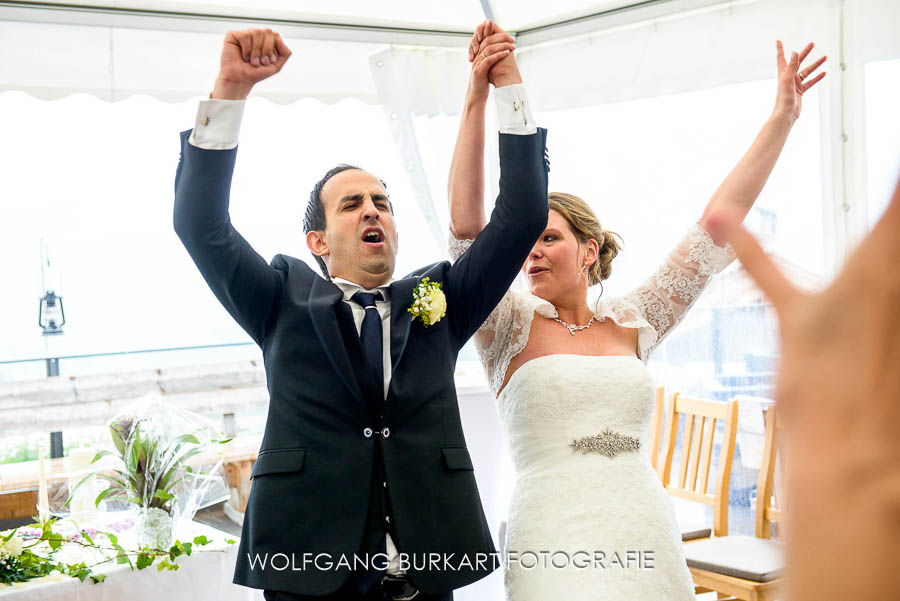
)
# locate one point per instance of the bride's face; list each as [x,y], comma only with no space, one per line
[554,264]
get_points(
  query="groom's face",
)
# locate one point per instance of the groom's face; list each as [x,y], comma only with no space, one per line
[360,234]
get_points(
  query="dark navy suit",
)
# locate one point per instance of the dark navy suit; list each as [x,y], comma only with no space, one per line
[318,479]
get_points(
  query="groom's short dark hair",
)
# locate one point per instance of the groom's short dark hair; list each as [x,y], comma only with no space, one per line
[314,218]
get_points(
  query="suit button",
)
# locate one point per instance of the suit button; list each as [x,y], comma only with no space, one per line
[385,432]
[387,519]
[384,484]
[367,432]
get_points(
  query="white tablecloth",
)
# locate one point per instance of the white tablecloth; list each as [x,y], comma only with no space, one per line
[205,574]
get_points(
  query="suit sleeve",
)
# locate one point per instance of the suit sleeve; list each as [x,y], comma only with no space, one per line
[481,276]
[240,278]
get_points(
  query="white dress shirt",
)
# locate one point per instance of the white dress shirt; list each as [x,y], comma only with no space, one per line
[218,121]
[216,128]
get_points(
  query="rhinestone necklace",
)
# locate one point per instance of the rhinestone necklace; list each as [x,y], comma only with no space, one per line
[572,327]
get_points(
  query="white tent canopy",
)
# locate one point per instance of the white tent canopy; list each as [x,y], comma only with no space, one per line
[408,56]
[397,15]
[573,52]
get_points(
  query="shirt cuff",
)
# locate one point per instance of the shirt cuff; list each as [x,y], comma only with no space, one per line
[218,123]
[514,110]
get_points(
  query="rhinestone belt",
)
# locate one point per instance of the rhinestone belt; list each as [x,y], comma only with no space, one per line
[607,443]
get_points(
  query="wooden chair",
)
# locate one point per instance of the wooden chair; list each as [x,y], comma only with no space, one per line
[746,567]
[767,498]
[656,426]
[692,481]
[237,475]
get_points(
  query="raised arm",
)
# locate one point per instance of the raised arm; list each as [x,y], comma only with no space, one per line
[838,398]
[667,295]
[493,62]
[483,273]
[243,282]
[742,186]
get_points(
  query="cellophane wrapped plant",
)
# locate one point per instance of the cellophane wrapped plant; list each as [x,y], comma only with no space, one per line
[168,467]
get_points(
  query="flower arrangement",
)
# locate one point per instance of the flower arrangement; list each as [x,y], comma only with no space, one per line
[152,467]
[154,471]
[429,303]
[28,553]
[159,473]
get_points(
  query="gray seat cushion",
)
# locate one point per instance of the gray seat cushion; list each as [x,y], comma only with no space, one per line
[687,535]
[748,557]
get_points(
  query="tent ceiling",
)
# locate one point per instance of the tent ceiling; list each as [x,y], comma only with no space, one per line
[430,15]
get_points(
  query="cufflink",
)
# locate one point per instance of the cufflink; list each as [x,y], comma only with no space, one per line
[517,105]
[204,120]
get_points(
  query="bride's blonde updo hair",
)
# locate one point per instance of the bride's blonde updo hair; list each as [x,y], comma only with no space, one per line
[585,225]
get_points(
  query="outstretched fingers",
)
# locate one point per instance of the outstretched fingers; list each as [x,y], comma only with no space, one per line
[794,65]
[808,84]
[882,246]
[805,73]
[767,275]
[805,52]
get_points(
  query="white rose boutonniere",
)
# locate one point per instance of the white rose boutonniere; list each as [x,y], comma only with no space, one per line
[429,303]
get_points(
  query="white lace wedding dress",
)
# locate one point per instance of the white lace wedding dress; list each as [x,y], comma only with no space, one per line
[571,504]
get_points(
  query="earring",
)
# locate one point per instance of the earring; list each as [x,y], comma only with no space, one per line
[583,268]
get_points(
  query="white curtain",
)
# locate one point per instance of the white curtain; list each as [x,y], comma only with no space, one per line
[699,48]
[413,82]
[51,61]
[729,43]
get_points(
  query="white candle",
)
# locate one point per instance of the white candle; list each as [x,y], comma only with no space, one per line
[43,502]
[80,459]
[81,505]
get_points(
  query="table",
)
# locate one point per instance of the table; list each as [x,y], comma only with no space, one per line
[203,575]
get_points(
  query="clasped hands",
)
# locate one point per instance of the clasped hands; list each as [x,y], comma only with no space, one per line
[493,60]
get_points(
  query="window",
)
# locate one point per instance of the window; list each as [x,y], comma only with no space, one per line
[95,180]
[882,134]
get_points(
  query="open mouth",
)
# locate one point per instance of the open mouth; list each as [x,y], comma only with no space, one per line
[373,237]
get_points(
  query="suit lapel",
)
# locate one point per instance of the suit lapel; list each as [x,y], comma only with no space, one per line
[401,299]
[323,296]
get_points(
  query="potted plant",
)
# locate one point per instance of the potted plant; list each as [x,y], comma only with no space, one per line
[159,471]
[151,469]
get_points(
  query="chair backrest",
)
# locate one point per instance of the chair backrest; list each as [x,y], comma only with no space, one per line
[656,425]
[692,481]
[768,504]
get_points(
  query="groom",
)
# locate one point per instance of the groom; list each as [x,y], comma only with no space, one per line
[363,487]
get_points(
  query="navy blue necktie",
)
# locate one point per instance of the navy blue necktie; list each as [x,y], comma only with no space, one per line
[370,334]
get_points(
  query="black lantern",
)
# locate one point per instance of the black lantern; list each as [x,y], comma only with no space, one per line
[51,316]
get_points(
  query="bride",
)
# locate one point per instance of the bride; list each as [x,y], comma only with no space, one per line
[589,518]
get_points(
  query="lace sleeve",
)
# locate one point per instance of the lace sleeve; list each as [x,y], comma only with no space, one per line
[664,298]
[504,333]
